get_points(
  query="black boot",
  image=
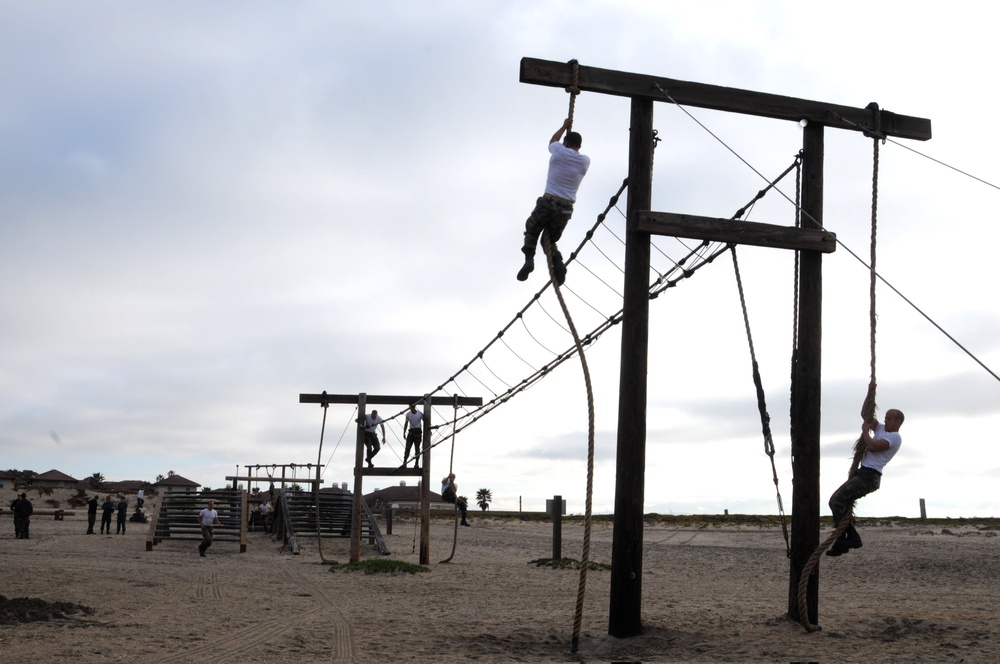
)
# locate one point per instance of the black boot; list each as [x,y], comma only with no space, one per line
[853,539]
[558,267]
[527,268]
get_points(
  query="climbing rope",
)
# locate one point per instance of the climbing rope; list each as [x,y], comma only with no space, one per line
[868,408]
[451,463]
[587,520]
[319,458]
[549,247]
[765,419]
[573,91]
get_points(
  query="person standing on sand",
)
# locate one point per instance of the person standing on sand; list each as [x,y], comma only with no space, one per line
[122,513]
[208,518]
[107,509]
[91,514]
[22,516]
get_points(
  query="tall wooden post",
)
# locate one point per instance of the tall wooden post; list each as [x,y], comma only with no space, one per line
[626,550]
[425,485]
[806,385]
[358,482]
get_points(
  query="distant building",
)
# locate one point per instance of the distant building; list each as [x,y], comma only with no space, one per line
[6,480]
[54,479]
[406,497]
[176,484]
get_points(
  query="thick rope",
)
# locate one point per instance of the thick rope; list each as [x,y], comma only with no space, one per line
[765,418]
[573,91]
[585,556]
[319,459]
[451,465]
[868,408]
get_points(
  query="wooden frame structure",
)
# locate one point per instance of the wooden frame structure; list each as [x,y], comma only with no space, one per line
[360,472]
[812,241]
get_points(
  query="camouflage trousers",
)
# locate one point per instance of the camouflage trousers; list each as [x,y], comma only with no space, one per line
[551,214]
[865,481]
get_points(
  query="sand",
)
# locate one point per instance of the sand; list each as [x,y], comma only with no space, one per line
[711,593]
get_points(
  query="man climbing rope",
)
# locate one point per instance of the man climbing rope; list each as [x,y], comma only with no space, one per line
[882,441]
[449,494]
[555,207]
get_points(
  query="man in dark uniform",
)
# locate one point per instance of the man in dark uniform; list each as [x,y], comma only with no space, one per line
[22,516]
[91,514]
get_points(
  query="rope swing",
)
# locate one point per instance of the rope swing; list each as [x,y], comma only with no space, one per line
[868,408]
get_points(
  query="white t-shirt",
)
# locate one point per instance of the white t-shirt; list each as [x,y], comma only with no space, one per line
[414,419]
[877,460]
[566,170]
[208,517]
[370,423]
[265,508]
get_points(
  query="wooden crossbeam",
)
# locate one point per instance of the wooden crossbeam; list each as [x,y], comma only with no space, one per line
[288,480]
[388,400]
[737,232]
[719,98]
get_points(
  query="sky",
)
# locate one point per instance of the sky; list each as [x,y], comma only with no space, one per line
[207,210]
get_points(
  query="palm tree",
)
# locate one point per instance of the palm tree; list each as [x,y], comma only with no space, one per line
[483,498]
[95,481]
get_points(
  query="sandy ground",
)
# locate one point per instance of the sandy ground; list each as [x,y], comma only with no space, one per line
[914,593]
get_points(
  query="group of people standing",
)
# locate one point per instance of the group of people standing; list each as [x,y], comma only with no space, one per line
[412,432]
[108,509]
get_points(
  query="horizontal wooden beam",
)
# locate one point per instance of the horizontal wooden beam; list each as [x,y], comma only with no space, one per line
[287,480]
[383,400]
[736,232]
[719,98]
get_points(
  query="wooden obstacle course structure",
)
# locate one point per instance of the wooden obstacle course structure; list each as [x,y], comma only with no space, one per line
[176,518]
[812,241]
[362,401]
[295,517]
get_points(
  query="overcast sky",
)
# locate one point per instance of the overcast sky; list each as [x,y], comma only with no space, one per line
[207,209]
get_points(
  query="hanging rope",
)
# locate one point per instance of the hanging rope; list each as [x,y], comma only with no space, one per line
[319,458]
[451,462]
[587,520]
[868,408]
[765,419]
[573,91]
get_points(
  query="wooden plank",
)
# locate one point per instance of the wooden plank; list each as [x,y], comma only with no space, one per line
[388,400]
[737,232]
[719,98]
[401,471]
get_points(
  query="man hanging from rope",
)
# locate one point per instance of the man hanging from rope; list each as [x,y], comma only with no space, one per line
[554,208]
[449,494]
[881,441]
